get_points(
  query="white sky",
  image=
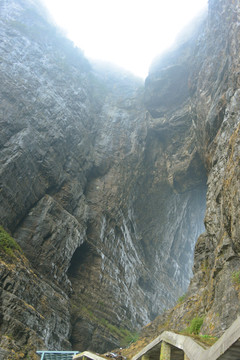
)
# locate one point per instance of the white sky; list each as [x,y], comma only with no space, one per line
[128,33]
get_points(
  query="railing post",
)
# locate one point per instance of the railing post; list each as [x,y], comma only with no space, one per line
[165,351]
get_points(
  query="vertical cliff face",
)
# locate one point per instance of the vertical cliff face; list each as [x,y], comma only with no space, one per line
[213,103]
[217,108]
[103,183]
[88,189]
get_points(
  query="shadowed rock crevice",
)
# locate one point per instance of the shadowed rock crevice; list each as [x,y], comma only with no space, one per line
[193,177]
[92,316]
[83,254]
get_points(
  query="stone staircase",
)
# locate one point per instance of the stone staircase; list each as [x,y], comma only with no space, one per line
[172,346]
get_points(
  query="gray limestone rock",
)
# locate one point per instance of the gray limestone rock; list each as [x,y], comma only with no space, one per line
[214,108]
[103,184]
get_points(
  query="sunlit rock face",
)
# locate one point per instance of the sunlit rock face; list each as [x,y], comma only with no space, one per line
[103,180]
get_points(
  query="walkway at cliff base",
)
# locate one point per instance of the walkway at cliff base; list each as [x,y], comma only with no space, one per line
[172,346]
[56,355]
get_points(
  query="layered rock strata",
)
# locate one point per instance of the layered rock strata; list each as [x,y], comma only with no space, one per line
[103,181]
[213,87]
[86,188]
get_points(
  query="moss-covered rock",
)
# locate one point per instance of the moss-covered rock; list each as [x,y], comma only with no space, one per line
[7,244]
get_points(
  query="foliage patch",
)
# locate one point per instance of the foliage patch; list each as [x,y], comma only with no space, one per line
[7,243]
[195,326]
[236,277]
[125,336]
[181,298]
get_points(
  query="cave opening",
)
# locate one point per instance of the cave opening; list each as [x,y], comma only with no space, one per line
[82,256]
[83,273]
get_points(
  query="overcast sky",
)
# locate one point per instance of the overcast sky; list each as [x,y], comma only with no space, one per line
[128,33]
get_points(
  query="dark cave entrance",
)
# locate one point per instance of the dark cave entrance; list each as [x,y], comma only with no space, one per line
[84,269]
[80,256]
[84,272]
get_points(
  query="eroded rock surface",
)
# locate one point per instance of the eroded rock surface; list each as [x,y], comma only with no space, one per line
[214,109]
[103,180]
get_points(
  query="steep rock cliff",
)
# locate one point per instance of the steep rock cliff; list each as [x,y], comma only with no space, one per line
[103,181]
[27,302]
[212,95]
[88,187]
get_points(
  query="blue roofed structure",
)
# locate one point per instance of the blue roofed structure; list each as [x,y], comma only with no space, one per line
[56,355]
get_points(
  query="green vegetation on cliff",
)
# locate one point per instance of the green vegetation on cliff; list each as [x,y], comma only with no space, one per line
[236,277]
[124,335]
[181,298]
[7,243]
[195,326]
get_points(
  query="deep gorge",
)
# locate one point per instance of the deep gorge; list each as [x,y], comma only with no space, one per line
[114,188]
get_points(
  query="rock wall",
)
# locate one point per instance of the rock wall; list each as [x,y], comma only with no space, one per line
[103,179]
[87,186]
[213,103]
[28,320]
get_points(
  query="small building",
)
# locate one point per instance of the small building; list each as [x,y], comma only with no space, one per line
[57,355]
